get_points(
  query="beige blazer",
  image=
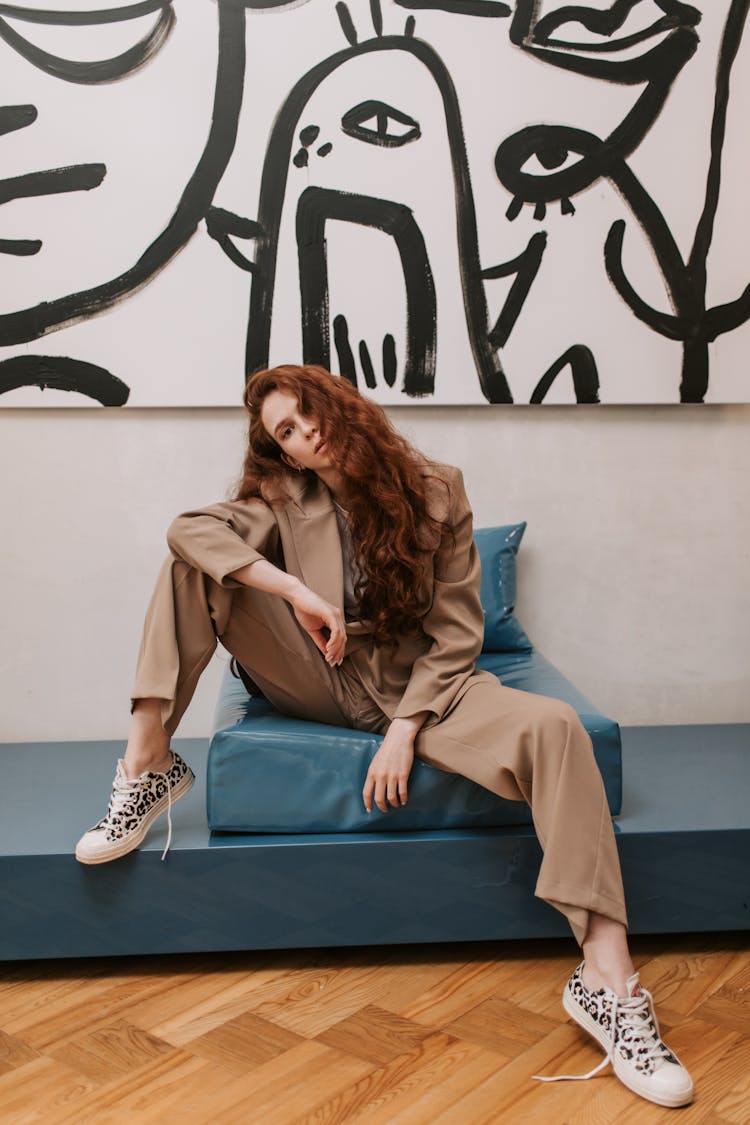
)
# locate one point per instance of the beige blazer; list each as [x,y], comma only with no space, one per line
[298,531]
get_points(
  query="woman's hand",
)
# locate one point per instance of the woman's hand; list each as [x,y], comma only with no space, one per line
[387,781]
[321,621]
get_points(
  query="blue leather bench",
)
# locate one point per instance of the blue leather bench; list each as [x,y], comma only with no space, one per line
[683,838]
[294,862]
[268,773]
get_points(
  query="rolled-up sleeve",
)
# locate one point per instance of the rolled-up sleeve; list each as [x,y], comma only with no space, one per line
[221,538]
[454,623]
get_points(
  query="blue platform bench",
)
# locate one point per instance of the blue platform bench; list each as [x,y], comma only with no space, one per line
[268,773]
[290,860]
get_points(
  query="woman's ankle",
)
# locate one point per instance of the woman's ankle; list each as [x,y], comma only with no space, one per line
[148,742]
[607,962]
[614,979]
[141,760]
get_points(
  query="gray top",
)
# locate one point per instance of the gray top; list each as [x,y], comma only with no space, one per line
[352,571]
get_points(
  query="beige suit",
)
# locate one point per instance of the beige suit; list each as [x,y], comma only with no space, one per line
[521,746]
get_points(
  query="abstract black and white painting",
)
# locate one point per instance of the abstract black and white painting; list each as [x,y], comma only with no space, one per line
[443,201]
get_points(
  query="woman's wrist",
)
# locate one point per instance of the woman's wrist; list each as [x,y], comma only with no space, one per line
[409,727]
[294,588]
[263,575]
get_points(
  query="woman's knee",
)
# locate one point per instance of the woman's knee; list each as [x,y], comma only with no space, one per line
[557,729]
[544,712]
[197,595]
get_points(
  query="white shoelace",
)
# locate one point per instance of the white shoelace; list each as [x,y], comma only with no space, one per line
[123,790]
[169,815]
[640,1019]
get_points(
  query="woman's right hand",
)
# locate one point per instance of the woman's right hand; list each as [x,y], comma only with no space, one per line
[321,621]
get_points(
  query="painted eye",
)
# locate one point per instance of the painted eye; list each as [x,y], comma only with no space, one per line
[376,123]
[99,45]
[545,162]
[549,158]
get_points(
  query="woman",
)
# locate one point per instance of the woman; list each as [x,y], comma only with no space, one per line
[344,581]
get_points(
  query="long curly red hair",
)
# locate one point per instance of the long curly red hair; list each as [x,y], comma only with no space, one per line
[391,489]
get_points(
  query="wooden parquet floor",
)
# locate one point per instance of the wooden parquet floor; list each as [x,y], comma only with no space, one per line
[429,1035]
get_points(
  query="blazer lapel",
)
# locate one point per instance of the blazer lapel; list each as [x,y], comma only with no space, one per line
[316,542]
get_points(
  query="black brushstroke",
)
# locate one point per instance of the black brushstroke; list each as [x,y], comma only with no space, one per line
[514,208]
[347,24]
[20,247]
[347,366]
[316,207]
[263,5]
[606,48]
[390,360]
[309,135]
[352,123]
[219,221]
[83,19]
[525,267]
[726,317]
[367,368]
[692,323]
[656,65]
[666,324]
[730,43]
[599,160]
[325,149]
[552,144]
[300,158]
[32,323]
[223,225]
[60,373]
[409,27]
[274,186]
[582,365]
[14,117]
[376,11]
[53,181]
[606,22]
[488,8]
[90,72]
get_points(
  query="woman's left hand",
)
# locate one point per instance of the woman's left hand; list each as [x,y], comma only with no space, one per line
[387,781]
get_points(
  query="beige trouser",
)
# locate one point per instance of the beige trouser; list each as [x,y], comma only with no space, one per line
[522,746]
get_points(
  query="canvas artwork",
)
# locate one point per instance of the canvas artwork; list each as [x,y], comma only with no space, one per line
[443,201]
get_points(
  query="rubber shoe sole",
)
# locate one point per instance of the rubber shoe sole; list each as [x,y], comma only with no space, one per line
[641,1085]
[133,840]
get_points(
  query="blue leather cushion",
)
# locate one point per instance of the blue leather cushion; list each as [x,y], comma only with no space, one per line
[498,547]
[269,773]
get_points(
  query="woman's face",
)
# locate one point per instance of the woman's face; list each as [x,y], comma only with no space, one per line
[296,433]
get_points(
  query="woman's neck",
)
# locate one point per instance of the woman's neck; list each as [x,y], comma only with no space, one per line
[336,485]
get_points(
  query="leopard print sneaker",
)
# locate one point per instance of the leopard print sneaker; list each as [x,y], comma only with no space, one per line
[627,1029]
[133,807]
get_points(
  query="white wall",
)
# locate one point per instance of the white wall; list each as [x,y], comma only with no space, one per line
[633,573]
